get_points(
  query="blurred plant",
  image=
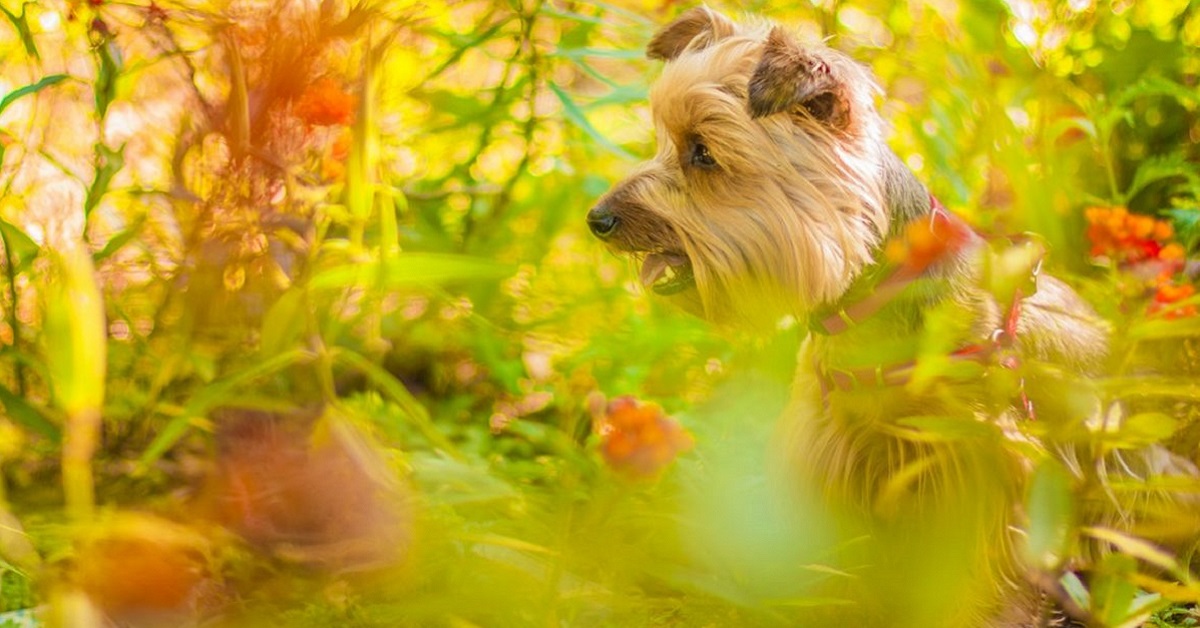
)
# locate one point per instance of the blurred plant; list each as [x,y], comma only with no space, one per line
[378,206]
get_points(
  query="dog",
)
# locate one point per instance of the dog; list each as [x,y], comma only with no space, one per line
[773,194]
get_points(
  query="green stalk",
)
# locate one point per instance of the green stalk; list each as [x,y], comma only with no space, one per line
[14,321]
[360,164]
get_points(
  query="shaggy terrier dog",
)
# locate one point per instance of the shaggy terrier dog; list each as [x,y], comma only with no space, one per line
[773,194]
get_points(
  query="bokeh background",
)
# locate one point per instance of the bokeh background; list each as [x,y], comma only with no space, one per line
[302,322]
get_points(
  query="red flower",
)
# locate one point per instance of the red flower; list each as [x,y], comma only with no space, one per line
[1128,238]
[639,440]
[325,103]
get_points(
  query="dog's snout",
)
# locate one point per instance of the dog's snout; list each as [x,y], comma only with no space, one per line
[602,221]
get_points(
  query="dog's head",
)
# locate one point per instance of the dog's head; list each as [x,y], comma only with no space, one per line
[765,195]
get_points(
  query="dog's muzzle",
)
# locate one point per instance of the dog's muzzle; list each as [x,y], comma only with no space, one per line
[602,221]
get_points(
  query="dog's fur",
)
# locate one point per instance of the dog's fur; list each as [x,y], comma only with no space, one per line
[772,194]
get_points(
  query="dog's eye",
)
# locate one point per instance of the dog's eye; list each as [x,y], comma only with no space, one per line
[701,157]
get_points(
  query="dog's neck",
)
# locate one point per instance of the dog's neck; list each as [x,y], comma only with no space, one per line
[907,198]
[899,316]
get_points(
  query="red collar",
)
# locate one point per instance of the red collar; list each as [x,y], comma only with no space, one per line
[921,244]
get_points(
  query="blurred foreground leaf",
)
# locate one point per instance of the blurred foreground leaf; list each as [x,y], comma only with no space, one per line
[1050,515]
[75,338]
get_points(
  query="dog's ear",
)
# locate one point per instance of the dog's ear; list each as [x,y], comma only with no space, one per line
[698,27]
[788,77]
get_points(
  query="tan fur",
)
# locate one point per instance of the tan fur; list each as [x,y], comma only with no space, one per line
[772,176]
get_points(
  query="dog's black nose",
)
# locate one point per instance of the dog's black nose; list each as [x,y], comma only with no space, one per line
[602,221]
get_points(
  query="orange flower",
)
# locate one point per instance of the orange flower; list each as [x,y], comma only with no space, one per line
[1172,252]
[325,103]
[639,440]
[1169,293]
[926,240]
[1129,238]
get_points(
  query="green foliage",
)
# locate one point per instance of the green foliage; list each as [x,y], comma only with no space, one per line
[189,224]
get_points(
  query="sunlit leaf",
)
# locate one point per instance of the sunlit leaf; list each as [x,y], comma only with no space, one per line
[361,175]
[577,117]
[1158,168]
[120,239]
[1146,428]
[1154,386]
[109,70]
[1111,590]
[604,53]
[1050,508]
[21,23]
[944,429]
[395,390]
[34,88]
[465,46]
[1135,547]
[218,393]
[1187,225]
[23,413]
[1156,86]
[18,242]
[108,163]
[284,321]
[1159,328]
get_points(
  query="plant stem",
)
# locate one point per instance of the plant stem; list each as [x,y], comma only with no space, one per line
[14,320]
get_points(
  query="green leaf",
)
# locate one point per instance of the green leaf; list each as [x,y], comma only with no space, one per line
[394,389]
[1153,169]
[1155,86]
[24,414]
[1153,386]
[1112,592]
[603,53]
[409,269]
[283,322]
[1147,428]
[1050,510]
[118,241]
[1140,549]
[34,88]
[21,23]
[1158,328]
[108,163]
[577,117]
[945,429]
[464,45]
[105,88]
[1187,225]
[209,397]
[19,242]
